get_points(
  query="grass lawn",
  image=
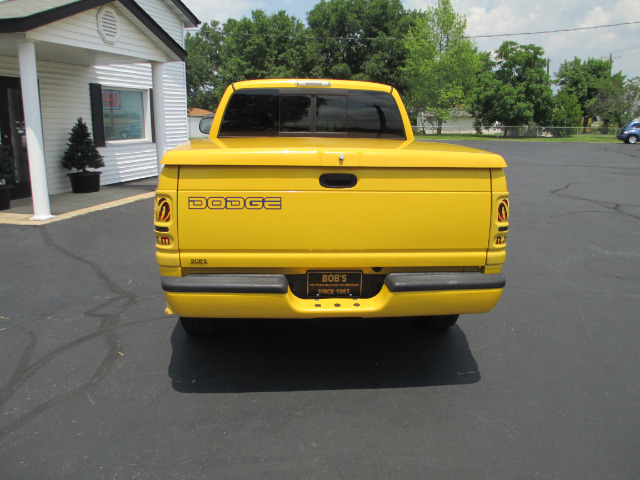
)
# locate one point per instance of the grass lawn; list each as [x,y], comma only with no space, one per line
[587,138]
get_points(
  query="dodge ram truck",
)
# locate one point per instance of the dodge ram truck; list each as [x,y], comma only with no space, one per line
[311,199]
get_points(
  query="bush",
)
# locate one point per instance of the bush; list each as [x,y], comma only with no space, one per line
[81,152]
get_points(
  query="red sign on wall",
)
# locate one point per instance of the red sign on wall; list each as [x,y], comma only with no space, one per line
[111,99]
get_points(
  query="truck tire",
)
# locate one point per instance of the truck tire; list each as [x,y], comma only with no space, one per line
[437,322]
[198,326]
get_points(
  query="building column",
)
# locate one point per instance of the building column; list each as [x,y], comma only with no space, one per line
[33,130]
[158,110]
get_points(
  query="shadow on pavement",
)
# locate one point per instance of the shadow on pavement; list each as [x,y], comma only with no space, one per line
[323,354]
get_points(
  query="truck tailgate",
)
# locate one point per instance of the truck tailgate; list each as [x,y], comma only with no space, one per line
[322,217]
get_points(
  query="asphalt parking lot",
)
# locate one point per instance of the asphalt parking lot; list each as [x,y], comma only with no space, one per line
[98,383]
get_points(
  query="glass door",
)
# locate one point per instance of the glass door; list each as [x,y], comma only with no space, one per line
[12,133]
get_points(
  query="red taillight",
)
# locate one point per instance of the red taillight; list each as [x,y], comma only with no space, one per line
[503,210]
[162,210]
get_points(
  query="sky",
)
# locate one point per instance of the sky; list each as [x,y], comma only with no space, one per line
[497,17]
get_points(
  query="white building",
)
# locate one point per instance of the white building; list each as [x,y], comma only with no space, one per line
[195,116]
[117,64]
[460,121]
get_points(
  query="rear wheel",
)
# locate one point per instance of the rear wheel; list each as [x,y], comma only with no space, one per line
[437,322]
[198,326]
[632,139]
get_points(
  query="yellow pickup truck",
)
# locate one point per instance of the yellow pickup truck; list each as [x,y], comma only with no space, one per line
[310,198]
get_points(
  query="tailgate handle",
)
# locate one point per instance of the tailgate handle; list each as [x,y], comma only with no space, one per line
[338,180]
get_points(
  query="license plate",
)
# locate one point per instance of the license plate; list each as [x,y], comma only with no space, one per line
[334,284]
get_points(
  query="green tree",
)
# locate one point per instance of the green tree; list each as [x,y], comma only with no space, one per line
[203,83]
[263,46]
[617,101]
[517,89]
[566,113]
[584,80]
[481,98]
[631,98]
[359,40]
[442,63]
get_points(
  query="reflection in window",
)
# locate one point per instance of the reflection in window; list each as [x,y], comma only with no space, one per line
[331,114]
[251,113]
[271,112]
[374,113]
[123,113]
[295,113]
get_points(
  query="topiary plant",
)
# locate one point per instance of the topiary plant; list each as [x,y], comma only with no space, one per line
[81,152]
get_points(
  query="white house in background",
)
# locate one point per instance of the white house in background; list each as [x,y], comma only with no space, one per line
[195,115]
[117,64]
[460,121]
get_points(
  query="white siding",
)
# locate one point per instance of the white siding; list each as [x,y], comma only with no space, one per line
[137,75]
[163,16]
[194,128]
[175,103]
[85,26]
[142,162]
[64,93]
[64,96]
[175,106]
[127,161]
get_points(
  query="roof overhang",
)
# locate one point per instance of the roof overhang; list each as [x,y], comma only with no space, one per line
[16,28]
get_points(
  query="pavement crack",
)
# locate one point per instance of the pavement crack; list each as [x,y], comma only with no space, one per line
[107,312]
[614,207]
[23,362]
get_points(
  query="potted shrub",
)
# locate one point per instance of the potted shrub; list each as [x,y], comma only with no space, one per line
[81,153]
[7,176]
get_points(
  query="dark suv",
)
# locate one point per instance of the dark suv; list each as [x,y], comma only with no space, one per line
[630,133]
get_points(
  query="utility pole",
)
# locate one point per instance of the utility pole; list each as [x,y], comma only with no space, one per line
[611,57]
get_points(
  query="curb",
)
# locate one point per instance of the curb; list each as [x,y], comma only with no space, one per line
[24,219]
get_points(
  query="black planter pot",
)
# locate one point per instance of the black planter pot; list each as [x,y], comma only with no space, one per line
[85,182]
[5,197]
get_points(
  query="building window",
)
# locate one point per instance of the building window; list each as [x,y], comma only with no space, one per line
[123,113]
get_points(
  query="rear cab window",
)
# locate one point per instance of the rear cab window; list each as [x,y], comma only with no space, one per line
[312,113]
